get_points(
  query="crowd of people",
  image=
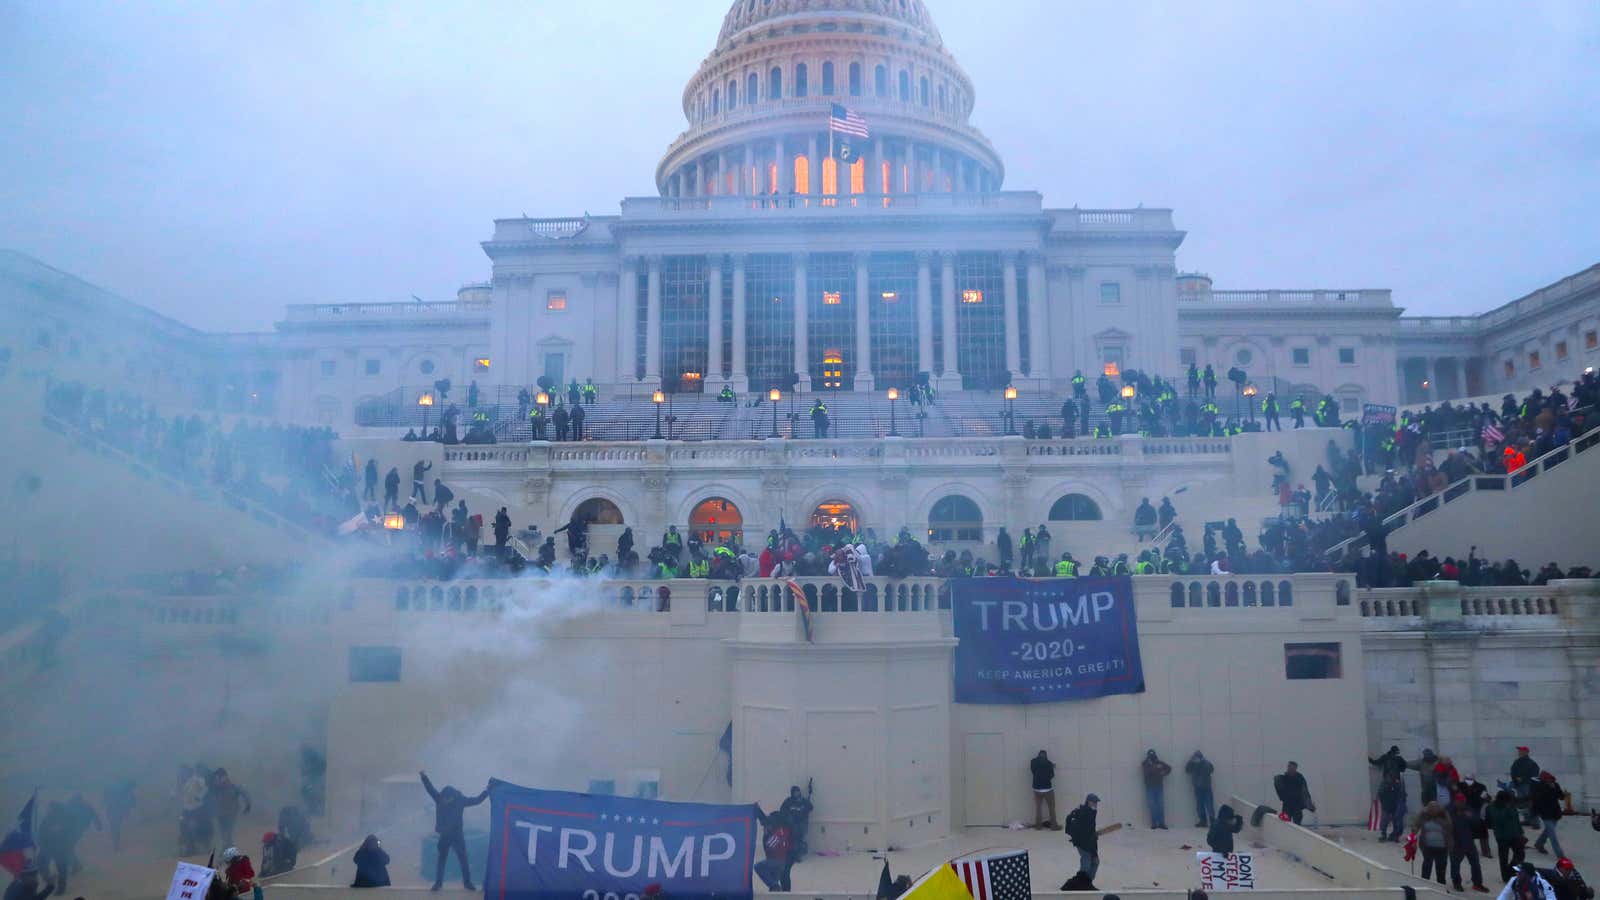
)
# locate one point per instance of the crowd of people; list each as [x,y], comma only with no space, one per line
[289,469]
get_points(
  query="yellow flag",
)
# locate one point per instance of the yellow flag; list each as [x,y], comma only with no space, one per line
[940,884]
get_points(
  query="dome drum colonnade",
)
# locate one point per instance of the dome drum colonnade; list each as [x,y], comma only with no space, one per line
[758,107]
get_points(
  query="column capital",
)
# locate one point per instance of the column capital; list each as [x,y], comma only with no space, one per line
[861,257]
[739,260]
[925,257]
[801,260]
[1010,257]
[714,260]
[653,260]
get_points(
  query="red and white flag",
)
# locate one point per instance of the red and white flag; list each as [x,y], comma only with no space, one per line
[1375,817]
[1492,435]
[995,874]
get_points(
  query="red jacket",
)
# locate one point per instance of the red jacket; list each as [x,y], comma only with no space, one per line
[241,875]
[776,844]
[765,563]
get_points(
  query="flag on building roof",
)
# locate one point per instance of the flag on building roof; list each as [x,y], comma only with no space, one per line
[847,121]
[995,874]
[18,845]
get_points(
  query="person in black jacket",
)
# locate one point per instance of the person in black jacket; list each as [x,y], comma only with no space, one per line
[1293,792]
[1227,824]
[372,864]
[448,807]
[1546,807]
[1567,881]
[1081,832]
[1524,772]
[1199,770]
[1044,793]
[391,490]
[1392,806]
[1463,833]
[419,487]
[1390,762]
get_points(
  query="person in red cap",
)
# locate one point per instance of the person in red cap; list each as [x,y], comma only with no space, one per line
[1567,882]
[1524,772]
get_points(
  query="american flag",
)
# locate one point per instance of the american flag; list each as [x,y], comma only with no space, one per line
[847,121]
[1491,434]
[996,874]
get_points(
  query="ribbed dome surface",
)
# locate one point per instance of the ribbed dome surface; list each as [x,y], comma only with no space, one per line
[746,14]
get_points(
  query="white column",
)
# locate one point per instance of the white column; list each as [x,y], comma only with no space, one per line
[785,167]
[714,322]
[863,326]
[741,382]
[802,352]
[951,380]
[628,320]
[924,315]
[652,331]
[813,168]
[1038,318]
[875,170]
[1008,262]
[745,185]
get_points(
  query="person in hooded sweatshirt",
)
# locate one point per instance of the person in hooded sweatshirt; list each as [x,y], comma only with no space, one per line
[449,805]
[1227,824]
[1463,839]
[1199,770]
[372,864]
[1433,840]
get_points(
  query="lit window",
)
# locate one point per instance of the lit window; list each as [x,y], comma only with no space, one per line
[1561,350]
[890,296]
[556,300]
[1511,368]
[1302,356]
[1533,360]
[1591,340]
[480,364]
[1312,661]
[858,176]
[427,367]
[328,367]
[374,366]
[830,298]
[1110,292]
[830,176]
[971,295]
[1347,356]
[802,175]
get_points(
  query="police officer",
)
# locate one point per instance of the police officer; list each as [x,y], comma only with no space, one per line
[726,394]
[1120,567]
[1080,387]
[1297,408]
[1066,567]
[1194,380]
[1269,411]
[1210,379]
[590,392]
[819,418]
[536,421]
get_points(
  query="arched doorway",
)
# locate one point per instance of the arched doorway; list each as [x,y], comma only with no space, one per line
[1075,508]
[835,516]
[955,518]
[716,519]
[598,511]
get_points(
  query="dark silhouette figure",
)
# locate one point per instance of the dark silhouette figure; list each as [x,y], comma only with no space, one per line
[448,807]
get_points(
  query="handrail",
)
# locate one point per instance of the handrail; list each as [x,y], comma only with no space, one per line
[1476,481]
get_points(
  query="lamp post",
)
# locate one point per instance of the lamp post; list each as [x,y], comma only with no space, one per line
[425,400]
[540,400]
[774,395]
[894,394]
[1250,401]
[1011,411]
[658,398]
[1128,391]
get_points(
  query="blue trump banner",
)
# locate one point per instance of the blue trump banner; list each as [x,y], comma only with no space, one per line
[1042,641]
[555,845]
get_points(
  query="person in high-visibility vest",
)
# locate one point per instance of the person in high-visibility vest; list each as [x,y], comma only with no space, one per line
[1297,408]
[1066,567]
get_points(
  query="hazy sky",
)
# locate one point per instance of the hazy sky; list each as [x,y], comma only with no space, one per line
[218,160]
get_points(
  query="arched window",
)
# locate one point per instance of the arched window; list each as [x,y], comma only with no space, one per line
[858,176]
[835,516]
[716,100]
[598,511]
[802,175]
[1075,508]
[923,93]
[715,519]
[880,81]
[827,79]
[955,518]
[800,80]
[830,176]
[733,93]
[751,90]
[905,86]
[855,79]
[944,95]
[775,84]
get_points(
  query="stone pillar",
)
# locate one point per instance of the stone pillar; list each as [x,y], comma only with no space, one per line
[785,167]
[1454,712]
[802,351]
[741,381]
[813,168]
[746,180]
[1038,319]
[628,320]
[915,161]
[700,178]
[950,380]
[652,330]
[1008,263]
[1436,392]
[924,314]
[714,322]
[863,326]
[875,170]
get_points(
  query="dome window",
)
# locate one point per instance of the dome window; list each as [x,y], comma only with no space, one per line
[800,80]
[751,90]
[733,93]
[855,79]
[924,91]
[880,81]
[775,84]
[905,86]
[827,79]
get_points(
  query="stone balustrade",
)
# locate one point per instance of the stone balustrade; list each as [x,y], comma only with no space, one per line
[1450,604]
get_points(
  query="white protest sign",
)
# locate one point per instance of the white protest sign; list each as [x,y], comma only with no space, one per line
[190,882]
[1230,872]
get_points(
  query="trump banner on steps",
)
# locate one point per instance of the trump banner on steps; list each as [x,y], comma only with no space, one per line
[555,845]
[1041,641]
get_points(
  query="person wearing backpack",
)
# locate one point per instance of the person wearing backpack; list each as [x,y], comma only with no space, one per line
[1081,832]
[1433,840]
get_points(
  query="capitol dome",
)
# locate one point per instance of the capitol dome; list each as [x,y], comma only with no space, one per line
[758,107]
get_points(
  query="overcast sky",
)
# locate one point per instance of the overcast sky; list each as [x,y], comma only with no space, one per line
[218,160]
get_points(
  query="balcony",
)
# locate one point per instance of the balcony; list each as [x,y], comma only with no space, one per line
[344,312]
[747,207]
